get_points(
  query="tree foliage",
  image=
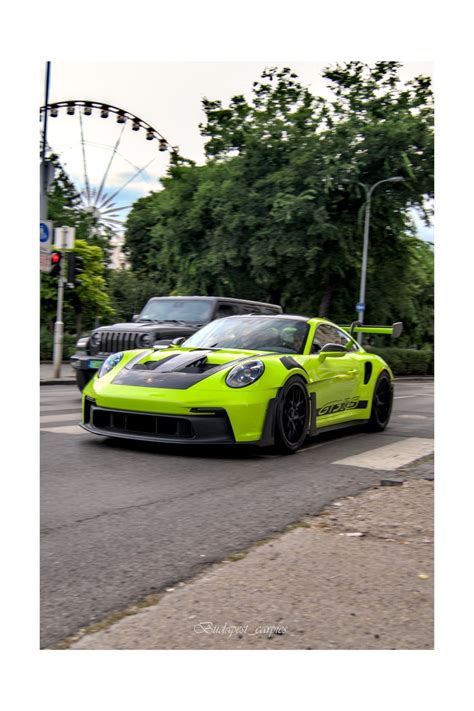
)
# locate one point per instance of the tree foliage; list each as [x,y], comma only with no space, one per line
[276,212]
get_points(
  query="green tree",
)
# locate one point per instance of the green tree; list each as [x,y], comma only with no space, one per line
[88,301]
[276,212]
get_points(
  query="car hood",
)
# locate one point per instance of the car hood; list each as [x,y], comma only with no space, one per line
[179,368]
[146,327]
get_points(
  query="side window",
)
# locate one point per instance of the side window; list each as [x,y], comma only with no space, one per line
[326,333]
[224,310]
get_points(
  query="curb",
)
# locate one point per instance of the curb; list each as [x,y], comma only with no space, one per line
[59,381]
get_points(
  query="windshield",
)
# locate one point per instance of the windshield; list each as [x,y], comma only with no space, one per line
[187,310]
[282,335]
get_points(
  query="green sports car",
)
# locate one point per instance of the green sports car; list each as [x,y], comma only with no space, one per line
[260,380]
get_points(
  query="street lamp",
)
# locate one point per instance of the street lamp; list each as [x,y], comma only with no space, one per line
[368,193]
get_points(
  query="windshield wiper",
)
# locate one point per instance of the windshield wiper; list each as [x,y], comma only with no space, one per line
[173,320]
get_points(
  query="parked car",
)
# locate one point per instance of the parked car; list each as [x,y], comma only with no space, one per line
[163,319]
[259,380]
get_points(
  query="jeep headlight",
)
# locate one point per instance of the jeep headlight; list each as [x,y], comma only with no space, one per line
[82,343]
[245,374]
[148,339]
[109,363]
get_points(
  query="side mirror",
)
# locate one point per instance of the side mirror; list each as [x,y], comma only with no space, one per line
[178,341]
[135,318]
[332,350]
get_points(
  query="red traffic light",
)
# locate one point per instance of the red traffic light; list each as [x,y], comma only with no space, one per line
[55,269]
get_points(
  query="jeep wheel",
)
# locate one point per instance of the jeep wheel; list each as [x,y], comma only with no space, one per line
[83,377]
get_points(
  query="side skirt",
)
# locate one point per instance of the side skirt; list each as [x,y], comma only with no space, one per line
[341,426]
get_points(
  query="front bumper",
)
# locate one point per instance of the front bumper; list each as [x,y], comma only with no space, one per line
[82,361]
[198,426]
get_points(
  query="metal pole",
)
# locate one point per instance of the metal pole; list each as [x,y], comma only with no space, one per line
[365,251]
[59,327]
[365,248]
[59,324]
[44,170]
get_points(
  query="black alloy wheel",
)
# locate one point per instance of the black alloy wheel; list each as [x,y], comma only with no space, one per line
[381,403]
[292,417]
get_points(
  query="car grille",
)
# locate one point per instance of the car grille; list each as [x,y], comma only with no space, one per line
[138,423]
[212,424]
[114,341]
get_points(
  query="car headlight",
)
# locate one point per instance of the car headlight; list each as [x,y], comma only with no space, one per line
[109,363]
[95,339]
[148,339]
[82,343]
[245,374]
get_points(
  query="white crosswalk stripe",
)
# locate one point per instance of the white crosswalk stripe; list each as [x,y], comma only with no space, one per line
[60,418]
[391,456]
[68,429]
[60,410]
[56,408]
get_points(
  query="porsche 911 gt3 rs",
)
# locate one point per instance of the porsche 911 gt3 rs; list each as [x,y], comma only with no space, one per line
[260,380]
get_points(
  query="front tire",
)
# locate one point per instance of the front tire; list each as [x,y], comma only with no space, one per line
[292,417]
[83,377]
[382,401]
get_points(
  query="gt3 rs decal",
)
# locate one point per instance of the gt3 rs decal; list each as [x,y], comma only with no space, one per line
[352,403]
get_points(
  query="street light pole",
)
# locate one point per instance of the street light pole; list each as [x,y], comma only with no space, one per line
[45,172]
[365,248]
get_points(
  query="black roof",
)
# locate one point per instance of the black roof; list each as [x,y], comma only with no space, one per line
[232,299]
[290,317]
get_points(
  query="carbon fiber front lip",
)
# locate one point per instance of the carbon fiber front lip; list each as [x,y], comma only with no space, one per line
[206,428]
[175,441]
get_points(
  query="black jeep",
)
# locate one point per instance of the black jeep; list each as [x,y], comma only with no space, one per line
[163,319]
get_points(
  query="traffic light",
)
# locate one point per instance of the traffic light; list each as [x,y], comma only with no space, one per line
[55,268]
[75,267]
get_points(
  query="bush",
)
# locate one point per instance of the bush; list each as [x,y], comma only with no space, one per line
[46,344]
[406,361]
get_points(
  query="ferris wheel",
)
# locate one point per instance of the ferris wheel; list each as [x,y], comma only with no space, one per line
[108,162]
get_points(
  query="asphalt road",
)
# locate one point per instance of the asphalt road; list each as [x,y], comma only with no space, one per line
[122,520]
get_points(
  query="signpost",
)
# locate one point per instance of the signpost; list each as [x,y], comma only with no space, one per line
[46,234]
[63,239]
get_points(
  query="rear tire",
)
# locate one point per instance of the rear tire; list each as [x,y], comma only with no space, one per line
[382,401]
[83,377]
[292,417]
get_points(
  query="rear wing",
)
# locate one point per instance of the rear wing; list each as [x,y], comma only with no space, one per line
[357,327]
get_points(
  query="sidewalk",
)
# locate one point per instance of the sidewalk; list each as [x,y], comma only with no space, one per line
[68,376]
[358,576]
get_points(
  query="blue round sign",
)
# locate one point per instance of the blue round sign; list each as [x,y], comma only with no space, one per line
[44,232]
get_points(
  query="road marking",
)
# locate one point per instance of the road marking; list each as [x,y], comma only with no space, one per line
[60,418]
[56,408]
[391,456]
[60,391]
[401,397]
[68,429]
[415,417]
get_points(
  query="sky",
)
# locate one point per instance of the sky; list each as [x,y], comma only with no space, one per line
[168,96]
